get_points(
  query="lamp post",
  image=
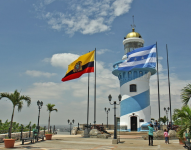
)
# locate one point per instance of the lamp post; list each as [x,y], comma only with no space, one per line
[166,110]
[114,103]
[70,123]
[107,111]
[39,104]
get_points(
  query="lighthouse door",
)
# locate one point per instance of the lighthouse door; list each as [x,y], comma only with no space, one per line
[133,123]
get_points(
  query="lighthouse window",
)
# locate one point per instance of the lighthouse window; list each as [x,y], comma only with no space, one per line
[119,76]
[123,74]
[129,74]
[135,74]
[140,73]
[133,88]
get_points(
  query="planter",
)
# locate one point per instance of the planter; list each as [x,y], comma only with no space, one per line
[48,136]
[182,141]
[9,143]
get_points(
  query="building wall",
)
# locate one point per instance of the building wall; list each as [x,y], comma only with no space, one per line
[135,102]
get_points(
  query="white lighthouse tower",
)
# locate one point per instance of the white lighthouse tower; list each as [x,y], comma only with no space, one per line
[135,109]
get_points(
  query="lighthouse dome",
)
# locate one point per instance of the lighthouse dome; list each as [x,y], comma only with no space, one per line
[133,34]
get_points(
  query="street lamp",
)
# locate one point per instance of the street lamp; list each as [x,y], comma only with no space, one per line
[167,110]
[114,103]
[70,123]
[39,104]
[107,111]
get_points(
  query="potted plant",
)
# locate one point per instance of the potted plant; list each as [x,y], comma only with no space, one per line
[48,135]
[17,100]
[182,118]
[50,108]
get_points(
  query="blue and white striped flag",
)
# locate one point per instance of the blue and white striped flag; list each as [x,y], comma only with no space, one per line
[144,57]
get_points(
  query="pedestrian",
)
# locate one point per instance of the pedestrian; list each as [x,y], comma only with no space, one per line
[166,136]
[156,125]
[150,134]
[169,126]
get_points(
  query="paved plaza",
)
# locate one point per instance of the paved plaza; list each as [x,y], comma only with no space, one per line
[76,142]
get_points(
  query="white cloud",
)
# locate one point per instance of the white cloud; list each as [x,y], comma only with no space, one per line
[101,51]
[46,60]
[47,2]
[121,6]
[63,59]
[35,73]
[87,17]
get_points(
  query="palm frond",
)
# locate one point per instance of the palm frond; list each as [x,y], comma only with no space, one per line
[50,107]
[25,98]
[20,106]
[186,94]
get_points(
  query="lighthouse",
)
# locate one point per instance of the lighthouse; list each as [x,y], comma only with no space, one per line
[135,109]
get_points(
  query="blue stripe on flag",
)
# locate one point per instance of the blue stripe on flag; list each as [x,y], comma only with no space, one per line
[147,65]
[142,49]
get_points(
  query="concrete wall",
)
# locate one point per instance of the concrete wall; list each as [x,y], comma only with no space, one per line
[110,127]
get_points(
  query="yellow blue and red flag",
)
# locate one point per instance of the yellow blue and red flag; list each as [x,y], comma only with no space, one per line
[84,64]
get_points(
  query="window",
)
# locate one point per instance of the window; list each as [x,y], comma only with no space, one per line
[133,88]
[140,73]
[119,76]
[129,74]
[135,74]
[124,75]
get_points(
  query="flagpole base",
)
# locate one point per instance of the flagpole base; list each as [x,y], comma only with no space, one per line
[86,133]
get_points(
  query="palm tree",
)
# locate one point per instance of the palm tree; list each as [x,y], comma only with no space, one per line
[186,94]
[17,100]
[163,119]
[182,118]
[50,108]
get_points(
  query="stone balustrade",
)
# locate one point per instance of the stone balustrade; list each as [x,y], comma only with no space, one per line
[17,135]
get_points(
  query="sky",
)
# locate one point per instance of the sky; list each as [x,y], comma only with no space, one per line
[40,38]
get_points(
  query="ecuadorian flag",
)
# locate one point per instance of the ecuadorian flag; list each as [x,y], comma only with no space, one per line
[84,64]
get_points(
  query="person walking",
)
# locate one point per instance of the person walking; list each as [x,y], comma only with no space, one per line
[150,126]
[166,136]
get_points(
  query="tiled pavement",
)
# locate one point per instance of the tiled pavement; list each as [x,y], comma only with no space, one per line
[76,142]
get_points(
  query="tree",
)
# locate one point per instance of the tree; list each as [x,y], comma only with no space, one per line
[50,108]
[186,94]
[17,100]
[163,119]
[182,118]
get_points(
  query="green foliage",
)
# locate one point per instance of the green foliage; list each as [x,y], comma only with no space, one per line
[163,119]
[33,126]
[16,127]
[186,94]
[182,118]
[50,107]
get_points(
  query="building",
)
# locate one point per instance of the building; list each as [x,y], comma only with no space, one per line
[135,109]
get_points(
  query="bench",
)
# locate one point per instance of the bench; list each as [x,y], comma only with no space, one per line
[27,139]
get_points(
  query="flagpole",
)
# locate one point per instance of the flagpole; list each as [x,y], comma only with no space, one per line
[95,92]
[169,86]
[88,102]
[158,83]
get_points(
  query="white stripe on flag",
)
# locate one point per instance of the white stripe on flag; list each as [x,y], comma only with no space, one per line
[142,53]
